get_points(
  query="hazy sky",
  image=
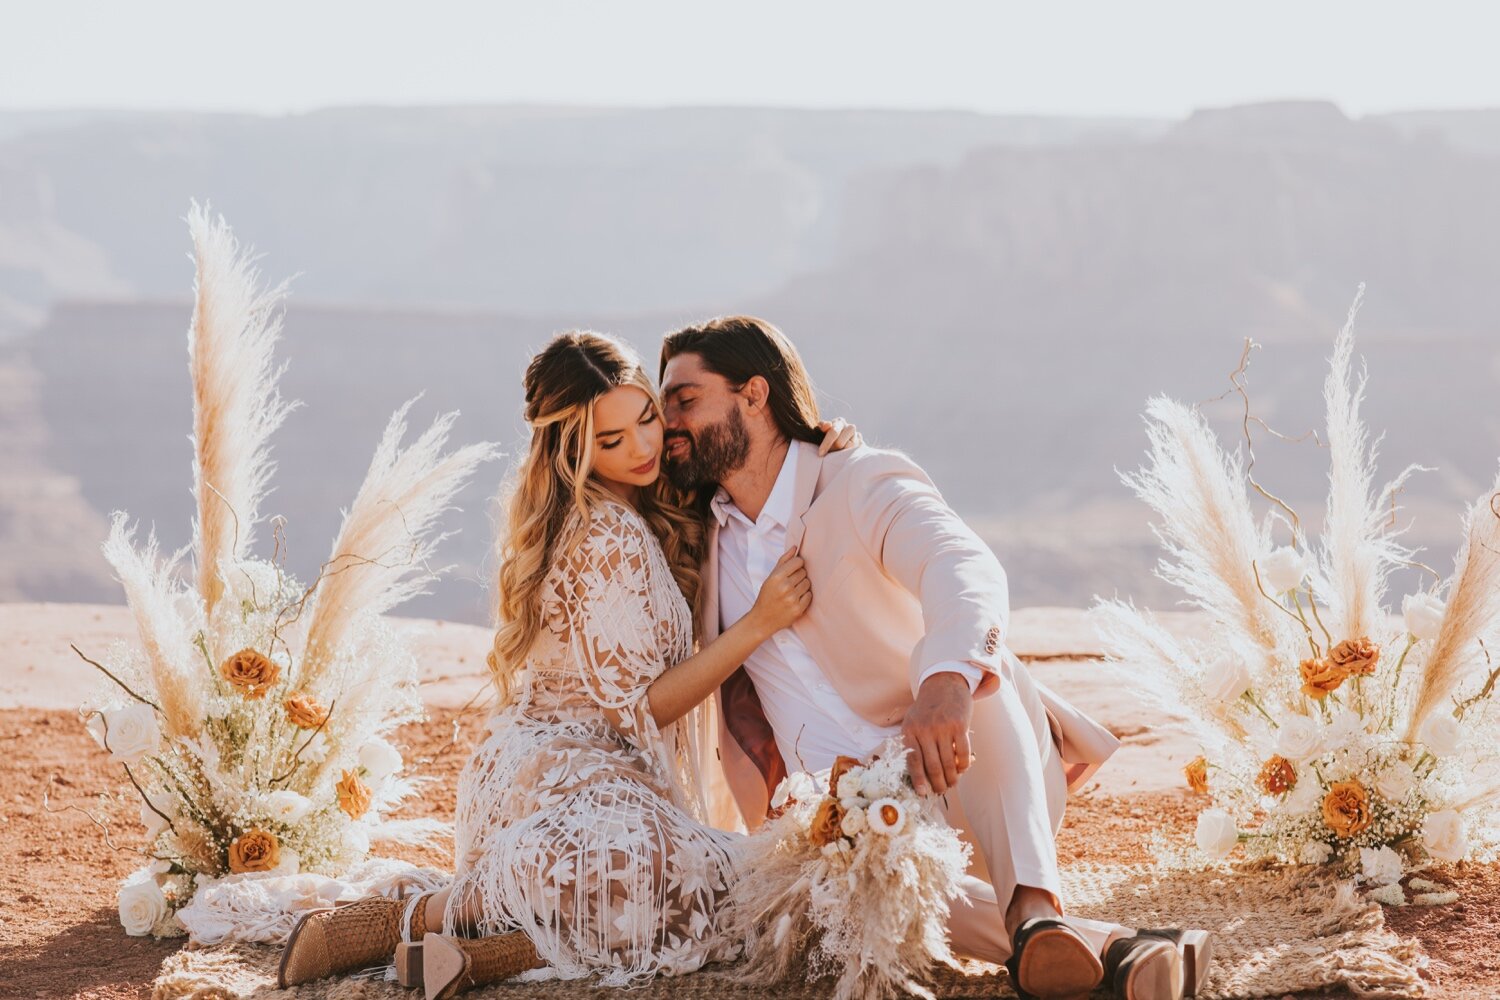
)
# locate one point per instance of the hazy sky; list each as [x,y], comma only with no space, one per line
[1157,58]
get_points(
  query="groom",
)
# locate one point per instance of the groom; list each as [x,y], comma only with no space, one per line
[906,634]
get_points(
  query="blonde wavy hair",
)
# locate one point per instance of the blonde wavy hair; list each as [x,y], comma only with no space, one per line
[562,383]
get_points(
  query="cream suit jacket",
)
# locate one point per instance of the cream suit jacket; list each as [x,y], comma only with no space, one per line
[899,583]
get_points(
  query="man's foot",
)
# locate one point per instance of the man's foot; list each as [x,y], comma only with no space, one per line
[1196,948]
[1051,961]
[1144,968]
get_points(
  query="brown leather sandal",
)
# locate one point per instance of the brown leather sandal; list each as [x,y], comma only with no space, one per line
[1197,950]
[1144,968]
[1051,961]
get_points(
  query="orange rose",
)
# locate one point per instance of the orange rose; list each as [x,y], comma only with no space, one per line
[254,851]
[1356,657]
[826,823]
[1320,676]
[841,767]
[1197,775]
[1277,776]
[303,711]
[354,796]
[250,672]
[1346,808]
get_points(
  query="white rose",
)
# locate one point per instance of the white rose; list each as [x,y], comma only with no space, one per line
[1314,852]
[1441,734]
[1395,783]
[1443,836]
[379,759]
[286,806]
[1423,613]
[849,783]
[1297,739]
[854,822]
[142,904]
[883,782]
[1216,833]
[1380,866]
[289,862]
[151,818]
[1226,679]
[131,732]
[1283,570]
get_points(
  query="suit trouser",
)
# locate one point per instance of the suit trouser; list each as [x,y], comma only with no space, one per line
[1008,806]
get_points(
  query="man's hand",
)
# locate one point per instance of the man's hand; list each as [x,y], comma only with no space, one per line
[937,731]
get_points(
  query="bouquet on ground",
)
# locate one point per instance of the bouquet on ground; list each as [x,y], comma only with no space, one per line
[1332,731]
[252,714]
[857,879]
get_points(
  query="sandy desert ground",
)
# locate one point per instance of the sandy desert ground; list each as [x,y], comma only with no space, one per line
[59,935]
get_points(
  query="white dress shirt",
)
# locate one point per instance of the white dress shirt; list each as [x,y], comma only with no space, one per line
[813,725]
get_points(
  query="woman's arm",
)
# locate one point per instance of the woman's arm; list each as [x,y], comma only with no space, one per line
[783,598]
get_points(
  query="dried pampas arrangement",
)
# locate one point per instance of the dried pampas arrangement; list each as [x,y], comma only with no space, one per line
[252,714]
[1328,735]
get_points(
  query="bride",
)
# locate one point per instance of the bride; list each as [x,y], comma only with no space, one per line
[582,828]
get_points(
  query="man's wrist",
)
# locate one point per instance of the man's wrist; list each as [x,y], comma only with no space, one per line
[946,681]
[972,674]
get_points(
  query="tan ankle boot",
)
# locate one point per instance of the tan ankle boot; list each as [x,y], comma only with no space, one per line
[451,965]
[348,937]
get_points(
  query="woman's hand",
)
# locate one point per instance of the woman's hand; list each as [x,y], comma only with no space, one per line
[785,595]
[838,435]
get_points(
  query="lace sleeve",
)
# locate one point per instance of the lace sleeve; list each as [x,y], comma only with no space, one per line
[611,625]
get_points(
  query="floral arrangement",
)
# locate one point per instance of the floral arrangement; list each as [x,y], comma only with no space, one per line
[858,879]
[1332,731]
[253,712]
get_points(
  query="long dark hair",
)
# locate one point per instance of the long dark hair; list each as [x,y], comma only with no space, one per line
[740,347]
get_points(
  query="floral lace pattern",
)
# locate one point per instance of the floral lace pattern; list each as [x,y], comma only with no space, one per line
[578,821]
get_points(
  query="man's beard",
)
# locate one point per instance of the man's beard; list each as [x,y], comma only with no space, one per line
[712,453]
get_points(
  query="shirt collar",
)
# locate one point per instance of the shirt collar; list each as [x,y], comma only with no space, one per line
[778,506]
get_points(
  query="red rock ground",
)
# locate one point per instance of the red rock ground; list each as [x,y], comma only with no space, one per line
[59,935]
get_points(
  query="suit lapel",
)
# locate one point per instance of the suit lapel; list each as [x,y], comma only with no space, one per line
[709,585]
[804,486]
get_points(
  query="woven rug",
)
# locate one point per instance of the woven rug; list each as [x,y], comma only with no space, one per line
[1276,932]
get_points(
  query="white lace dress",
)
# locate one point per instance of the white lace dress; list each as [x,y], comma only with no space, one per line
[577,820]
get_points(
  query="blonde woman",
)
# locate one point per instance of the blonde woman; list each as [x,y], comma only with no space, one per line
[582,834]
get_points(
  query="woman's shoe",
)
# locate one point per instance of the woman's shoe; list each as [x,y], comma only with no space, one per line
[1051,961]
[451,965]
[1144,968]
[409,964]
[1196,948]
[346,937]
